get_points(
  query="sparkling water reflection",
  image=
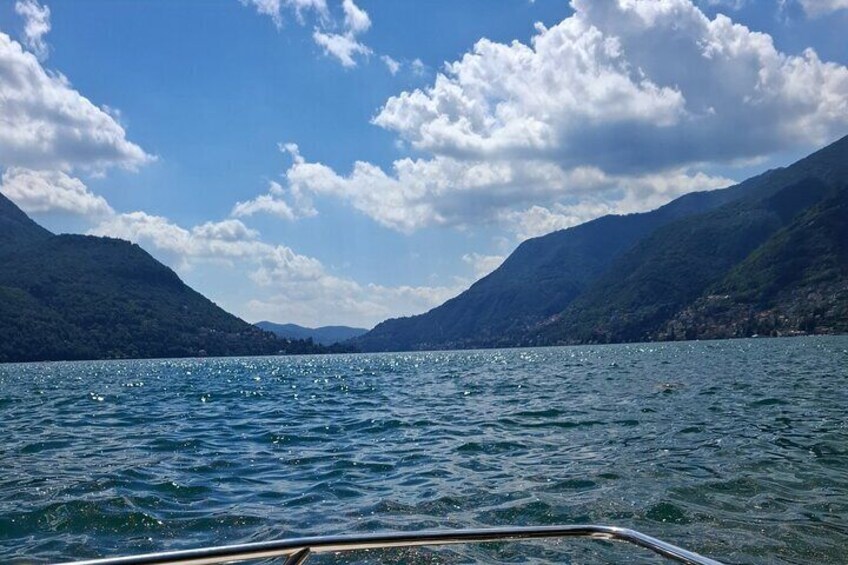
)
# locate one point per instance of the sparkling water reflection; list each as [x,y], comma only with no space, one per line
[735,449]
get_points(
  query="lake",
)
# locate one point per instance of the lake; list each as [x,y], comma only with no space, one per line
[735,449]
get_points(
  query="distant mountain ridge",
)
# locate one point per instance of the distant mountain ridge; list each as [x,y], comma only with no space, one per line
[638,277]
[65,297]
[325,335]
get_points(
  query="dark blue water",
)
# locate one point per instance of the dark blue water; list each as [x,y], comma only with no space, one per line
[736,449]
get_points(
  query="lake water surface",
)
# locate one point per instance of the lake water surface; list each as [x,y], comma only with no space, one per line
[736,449]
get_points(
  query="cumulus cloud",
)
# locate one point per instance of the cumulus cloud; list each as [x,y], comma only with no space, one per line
[275,203]
[539,220]
[46,124]
[52,191]
[626,85]
[289,286]
[225,230]
[221,242]
[623,195]
[356,19]
[344,47]
[36,25]
[452,192]
[288,203]
[267,204]
[617,109]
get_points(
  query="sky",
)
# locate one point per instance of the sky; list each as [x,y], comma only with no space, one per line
[342,162]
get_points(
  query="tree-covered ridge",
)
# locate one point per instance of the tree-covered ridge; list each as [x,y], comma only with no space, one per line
[796,282]
[82,297]
[673,267]
[625,278]
[537,281]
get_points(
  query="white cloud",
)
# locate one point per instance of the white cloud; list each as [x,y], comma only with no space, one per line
[301,7]
[274,203]
[818,8]
[630,195]
[270,8]
[453,192]
[336,39]
[46,124]
[343,47]
[289,286]
[356,19]
[266,204]
[343,301]
[224,241]
[52,191]
[391,64]
[483,264]
[288,203]
[36,25]
[618,108]
[274,8]
[538,220]
[626,85]
[225,230]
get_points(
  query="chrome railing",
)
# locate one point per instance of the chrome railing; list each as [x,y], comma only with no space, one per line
[298,550]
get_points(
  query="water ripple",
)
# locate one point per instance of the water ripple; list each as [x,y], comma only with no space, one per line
[736,449]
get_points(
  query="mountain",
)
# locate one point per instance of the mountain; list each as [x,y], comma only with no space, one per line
[674,266]
[623,278]
[796,282]
[538,280]
[325,335]
[82,297]
[16,227]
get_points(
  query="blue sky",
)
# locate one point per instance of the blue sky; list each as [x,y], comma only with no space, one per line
[325,162]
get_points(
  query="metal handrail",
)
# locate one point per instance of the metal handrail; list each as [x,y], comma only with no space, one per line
[299,549]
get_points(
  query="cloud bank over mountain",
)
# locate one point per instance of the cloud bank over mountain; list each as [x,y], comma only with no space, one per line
[616,109]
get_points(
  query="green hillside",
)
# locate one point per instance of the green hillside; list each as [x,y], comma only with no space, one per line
[625,278]
[83,297]
[537,281]
[673,267]
[796,282]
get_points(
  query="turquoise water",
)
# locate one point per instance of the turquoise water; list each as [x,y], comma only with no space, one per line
[737,449]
